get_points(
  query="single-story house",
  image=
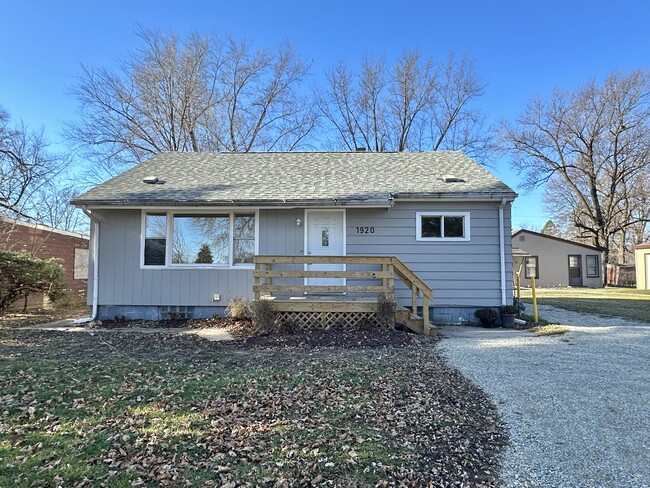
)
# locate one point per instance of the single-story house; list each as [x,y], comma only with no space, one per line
[179,231]
[555,262]
[642,262]
[46,242]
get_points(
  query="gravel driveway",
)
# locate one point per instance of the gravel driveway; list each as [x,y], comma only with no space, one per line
[577,405]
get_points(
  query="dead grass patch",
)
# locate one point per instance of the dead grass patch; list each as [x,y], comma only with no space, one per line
[549,330]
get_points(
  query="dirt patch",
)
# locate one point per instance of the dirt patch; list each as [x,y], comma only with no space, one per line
[330,338]
[240,328]
[12,320]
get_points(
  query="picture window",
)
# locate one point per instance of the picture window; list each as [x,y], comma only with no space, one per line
[185,239]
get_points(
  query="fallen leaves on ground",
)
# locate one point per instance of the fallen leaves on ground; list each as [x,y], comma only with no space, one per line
[373,408]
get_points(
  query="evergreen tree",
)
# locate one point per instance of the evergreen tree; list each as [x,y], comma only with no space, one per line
[204,255]
[551,229]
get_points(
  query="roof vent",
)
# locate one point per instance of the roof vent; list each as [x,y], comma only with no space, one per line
[151,180]
[452,179]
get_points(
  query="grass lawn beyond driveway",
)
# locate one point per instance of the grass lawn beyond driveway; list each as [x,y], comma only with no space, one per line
[614,302]
[122,410]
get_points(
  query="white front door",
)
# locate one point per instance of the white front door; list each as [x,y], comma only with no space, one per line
[324,236]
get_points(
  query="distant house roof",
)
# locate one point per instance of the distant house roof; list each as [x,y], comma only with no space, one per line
[645,245]
[519,253]
[295,178]
[7,223]
[593,248]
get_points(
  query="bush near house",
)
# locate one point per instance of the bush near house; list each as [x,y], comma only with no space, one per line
[22,275]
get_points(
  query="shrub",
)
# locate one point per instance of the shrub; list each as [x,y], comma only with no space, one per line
[239,308]
[385,310]
[509,310]
[263,316]
[22,275]
[486,314]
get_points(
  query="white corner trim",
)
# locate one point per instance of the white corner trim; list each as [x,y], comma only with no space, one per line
[502,252]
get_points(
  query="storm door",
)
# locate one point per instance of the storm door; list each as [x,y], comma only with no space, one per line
[575,270]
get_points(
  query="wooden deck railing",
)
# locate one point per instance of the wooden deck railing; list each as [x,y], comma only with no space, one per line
[388,267]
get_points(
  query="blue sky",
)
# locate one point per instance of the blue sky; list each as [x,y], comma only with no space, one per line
[522,48]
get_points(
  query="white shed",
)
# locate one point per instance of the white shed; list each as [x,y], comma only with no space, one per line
[642,261]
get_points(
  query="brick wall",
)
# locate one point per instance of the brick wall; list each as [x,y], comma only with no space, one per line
[43,242]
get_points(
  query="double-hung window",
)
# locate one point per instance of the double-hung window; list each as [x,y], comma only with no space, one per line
[442,226]
[155,239]
[532,267]
[199,240]
[592,266]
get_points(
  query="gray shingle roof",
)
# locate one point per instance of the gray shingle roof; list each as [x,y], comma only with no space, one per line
[314,178]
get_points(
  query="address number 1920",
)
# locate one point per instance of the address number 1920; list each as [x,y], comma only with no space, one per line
[365,230]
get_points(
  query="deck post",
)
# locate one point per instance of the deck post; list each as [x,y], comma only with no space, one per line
[415,291]
[256,281]
[390,282]
[426,328]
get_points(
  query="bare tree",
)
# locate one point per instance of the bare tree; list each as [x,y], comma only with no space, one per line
[198,94]
[50,205]
[260,106]
[591,144]
[25,165]
[415,105]
[638,203]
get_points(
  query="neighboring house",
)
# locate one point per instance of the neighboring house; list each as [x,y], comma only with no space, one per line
[46,242]
[555,262]
[179,231]
[642,261]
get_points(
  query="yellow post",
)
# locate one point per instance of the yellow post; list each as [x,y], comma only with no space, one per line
[518,288]
[532,286]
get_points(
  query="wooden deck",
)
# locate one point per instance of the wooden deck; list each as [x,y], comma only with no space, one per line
[272,272]
[322,303]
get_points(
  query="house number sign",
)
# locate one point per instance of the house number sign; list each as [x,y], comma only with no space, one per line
[365,230]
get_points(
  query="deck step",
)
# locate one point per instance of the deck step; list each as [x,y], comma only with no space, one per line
[412,321]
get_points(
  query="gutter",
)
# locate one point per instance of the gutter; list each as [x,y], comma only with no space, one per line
[331,202]
[384,202]
[95,249]
[502,252]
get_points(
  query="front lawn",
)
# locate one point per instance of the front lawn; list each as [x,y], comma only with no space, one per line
[116,409]
[615,302]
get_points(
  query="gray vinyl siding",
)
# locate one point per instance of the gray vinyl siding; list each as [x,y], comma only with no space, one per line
[123,282]
[460,273]
[280,236]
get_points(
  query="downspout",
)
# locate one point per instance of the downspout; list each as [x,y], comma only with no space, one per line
[502,252]
[95,250]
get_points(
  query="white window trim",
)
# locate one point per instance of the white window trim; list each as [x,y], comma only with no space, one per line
[597,258]
[170,236]
[466,226]
[535,275]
